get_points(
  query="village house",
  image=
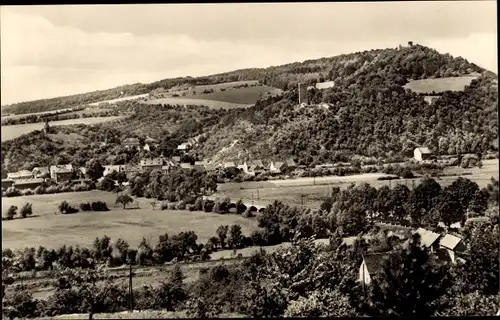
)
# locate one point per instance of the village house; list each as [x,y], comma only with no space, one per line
[290,164]
[23,174]
[422,154]
[200,166]
[230,165]
[428,239]
[186,166]
[151,164]
[209,167]
[40,172]
[453,245]
[61,173]
[108,169]
[176,159]
[277,167]
[131,143]
[81,172]
[28,184]
[324,85]
[131,170]
[183,147]
[256,166]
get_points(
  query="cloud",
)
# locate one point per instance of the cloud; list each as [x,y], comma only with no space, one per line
[60,50]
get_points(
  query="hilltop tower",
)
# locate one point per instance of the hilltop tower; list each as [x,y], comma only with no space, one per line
[302,93]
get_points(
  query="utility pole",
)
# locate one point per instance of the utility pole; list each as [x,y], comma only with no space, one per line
[252,199]
[302,199]
[258,196]
[130,291]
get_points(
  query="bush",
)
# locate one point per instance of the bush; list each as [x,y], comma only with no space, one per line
[27,192]
[52,189]
[181,205]
[22,305]
[164,205]
[26,210]
[209,205]
[171,206]
[11,213]
[39,190]
[65,208]
[12,192]
[99,206]
[190,207]
[85,207]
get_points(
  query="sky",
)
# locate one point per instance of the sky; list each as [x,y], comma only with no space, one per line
[50,51]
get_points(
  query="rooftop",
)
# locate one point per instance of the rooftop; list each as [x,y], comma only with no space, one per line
[450,242]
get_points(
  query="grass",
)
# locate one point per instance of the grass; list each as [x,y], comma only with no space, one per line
[14,131]
[440,84]
[120,99]
[291,191]
[198,102]
[54,230]
[241,95]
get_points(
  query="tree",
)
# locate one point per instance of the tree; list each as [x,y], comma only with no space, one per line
[171,291]
[324,303]
[94,287]
[408,283]
[94,169]
[11,213]
[449,208]
[352,221]
[240,207]
[471,304]
[222,234]
[124,199]
[26,210]
[479,202]
[235,238]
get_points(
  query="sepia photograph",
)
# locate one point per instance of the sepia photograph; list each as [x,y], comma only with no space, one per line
[250,160]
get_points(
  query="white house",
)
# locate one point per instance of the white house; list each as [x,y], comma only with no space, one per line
[371,265]
[421,154]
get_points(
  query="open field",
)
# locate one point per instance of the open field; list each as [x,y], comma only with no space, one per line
[198,102]
[440,84]
[224,85]
[241,95]
[143,314]
[291,191]
[120,99]
[14,131]
[53,230]
[17,116]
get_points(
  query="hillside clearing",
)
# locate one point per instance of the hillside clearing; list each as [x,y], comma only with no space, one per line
[198,102]
[247,95]
[14,131]
[139,96]
[54,230]
[440,84]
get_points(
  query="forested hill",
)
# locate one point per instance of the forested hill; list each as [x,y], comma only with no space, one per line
[370,112]
[406,63]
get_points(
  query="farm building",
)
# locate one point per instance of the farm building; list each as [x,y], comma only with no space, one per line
[28,183]
[428,239]
[7,183]
[183,147]
[421,154]
[23,174]
[370,266]
[39,172]
[150,164]
[131,143]
[61,173]
[453,245]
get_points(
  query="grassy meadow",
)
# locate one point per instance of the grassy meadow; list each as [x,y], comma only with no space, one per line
[14,131]
[200,101]
[440,84]
[50,229]
[314,190]
[241,95]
